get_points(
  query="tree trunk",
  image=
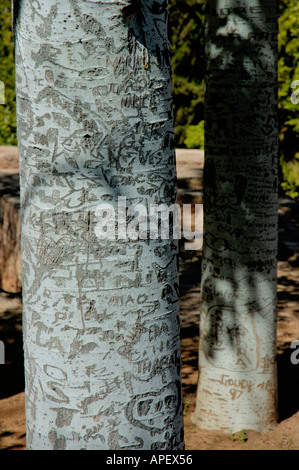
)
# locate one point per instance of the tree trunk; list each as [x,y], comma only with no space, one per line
[101,317]
[237,353]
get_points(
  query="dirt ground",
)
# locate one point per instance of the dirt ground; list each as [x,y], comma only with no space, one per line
[285,436]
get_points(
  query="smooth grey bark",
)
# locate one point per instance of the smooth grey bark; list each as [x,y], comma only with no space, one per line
[101,317]
[237,351]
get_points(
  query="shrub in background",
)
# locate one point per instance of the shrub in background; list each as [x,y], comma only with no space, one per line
[8,126]
[288,72]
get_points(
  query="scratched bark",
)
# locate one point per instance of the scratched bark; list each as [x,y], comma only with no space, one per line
[101,318]
[237,353]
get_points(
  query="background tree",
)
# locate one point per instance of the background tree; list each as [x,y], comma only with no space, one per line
[237,352]
[101,317]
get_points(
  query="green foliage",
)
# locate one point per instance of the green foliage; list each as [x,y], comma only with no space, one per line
[195,136]
[290,183]
[288,72]
[8,134]
[187,403]
[186,18]
[242,436]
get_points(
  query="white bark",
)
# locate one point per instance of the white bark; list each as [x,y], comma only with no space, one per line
[101,318]
[237,353]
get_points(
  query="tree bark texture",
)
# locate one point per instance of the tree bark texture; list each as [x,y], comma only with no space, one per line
[101,317]
[237,352]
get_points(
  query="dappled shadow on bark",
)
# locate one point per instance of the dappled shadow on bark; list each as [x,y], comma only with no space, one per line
[234,198]
[237,329]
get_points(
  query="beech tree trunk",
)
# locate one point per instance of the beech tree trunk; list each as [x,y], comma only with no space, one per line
[101,317]
[237,352]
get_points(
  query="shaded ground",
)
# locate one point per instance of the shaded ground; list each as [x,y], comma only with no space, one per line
[285,436]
